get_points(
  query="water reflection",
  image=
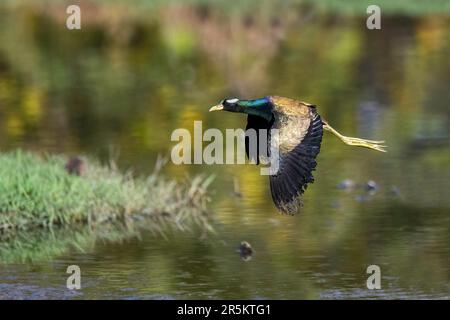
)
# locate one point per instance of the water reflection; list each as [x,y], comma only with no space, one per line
[125,89]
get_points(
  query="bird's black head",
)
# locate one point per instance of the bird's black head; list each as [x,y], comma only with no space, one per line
[259,107]
[229,104]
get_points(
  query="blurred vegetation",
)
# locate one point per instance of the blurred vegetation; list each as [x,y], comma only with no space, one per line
[408,7]
[38,192]
[43,244]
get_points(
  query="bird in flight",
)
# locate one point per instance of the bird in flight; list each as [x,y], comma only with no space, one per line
[300,130]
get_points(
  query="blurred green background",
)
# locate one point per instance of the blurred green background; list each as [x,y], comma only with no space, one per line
[138,70]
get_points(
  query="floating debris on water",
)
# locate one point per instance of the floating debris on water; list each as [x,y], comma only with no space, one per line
[245,250]
[371,185]
[367,189]
[346,184]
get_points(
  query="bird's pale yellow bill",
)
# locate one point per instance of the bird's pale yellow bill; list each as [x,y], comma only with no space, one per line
[216,108]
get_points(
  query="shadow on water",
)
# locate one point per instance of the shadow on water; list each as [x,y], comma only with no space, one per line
[125,84]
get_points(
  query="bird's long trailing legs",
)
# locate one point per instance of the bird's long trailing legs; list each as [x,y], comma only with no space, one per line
[371,144]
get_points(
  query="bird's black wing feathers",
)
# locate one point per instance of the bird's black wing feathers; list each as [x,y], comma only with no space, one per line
[295,169]
[255,122]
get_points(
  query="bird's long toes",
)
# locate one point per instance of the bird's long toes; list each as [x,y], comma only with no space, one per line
[380,148]
[376,141]
[366,140]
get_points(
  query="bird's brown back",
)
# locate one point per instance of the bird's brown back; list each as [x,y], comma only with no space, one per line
[291,107]
[292,118]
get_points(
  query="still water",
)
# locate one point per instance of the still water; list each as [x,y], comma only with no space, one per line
[121,91]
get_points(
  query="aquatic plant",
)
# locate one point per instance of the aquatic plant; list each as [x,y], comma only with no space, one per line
[37,192]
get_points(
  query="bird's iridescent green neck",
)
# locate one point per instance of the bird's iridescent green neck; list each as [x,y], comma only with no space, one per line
[261,107]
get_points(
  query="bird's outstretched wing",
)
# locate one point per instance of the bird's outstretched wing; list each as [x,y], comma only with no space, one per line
[295,169]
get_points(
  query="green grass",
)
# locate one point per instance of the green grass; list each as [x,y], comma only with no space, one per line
[37,192]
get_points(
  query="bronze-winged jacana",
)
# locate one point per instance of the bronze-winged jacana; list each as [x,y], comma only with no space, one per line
[300,136]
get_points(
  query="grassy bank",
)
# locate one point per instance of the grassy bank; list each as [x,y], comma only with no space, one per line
[37,192]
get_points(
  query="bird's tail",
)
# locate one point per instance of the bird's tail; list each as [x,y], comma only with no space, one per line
[371,144]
